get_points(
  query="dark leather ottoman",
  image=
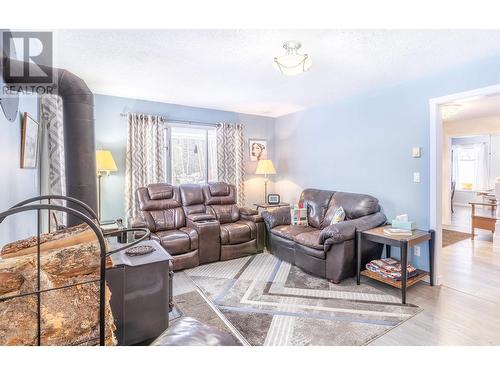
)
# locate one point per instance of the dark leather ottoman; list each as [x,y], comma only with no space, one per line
[190,332]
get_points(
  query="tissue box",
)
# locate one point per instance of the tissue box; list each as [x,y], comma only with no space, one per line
[410,225]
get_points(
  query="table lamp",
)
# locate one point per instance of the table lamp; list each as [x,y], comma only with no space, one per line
[105,164]
[265,167]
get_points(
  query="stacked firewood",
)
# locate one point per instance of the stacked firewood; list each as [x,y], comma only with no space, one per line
[69,316]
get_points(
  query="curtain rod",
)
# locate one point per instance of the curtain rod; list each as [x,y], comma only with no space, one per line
[189,122]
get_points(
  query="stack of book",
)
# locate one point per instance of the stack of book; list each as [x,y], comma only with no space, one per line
[390,268]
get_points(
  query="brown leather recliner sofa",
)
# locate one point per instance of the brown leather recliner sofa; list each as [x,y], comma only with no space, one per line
[321,248]
[162,213]
[199,224]
[242,230]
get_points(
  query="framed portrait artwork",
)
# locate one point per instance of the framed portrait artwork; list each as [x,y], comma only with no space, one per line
[258,149]
[30,134]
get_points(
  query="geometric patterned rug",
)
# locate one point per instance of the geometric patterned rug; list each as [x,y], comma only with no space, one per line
[271,302]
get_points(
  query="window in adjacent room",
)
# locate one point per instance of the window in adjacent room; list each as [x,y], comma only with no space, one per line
[192,158]
[470,166]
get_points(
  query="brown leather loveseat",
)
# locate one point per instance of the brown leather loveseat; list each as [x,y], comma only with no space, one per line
[199,224]
[321,248]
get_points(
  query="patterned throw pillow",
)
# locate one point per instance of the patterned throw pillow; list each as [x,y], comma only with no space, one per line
[338,215]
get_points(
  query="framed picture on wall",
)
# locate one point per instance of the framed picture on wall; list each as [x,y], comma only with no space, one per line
[258,149]
[30,134]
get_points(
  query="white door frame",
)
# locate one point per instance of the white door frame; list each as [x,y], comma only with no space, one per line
[436,164]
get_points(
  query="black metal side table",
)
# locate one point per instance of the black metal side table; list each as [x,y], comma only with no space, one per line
[404,243]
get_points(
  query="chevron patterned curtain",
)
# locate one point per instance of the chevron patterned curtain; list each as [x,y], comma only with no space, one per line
[230,149]
[51,110]
[145,162]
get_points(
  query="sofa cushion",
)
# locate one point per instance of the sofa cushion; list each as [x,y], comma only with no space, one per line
[162,220]
[218,189]
[225,213]
[165,197]
[192,198]
[191,194]
[316,201]
[178,241]
[355,205]
[279,216]
[290,231]
[219,193]
[310,239]
[160,191]
[238,232]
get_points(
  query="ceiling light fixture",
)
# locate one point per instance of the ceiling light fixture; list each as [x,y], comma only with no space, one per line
[292,63]
[449,110]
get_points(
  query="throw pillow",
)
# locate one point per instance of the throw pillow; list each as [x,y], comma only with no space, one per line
[338,215]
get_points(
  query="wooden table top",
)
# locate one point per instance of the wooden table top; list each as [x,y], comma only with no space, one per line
[268,205]
[416,237]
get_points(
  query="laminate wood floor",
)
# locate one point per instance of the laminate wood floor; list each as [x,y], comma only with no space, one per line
[465,309]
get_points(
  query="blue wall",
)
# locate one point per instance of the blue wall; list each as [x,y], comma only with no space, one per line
[111,134]
[364,143]
[16,184]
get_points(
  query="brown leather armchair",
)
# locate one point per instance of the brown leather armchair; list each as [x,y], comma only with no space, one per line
[242,230]
[162,213]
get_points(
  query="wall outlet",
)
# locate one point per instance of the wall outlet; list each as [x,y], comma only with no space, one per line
[416,177]
[416,251]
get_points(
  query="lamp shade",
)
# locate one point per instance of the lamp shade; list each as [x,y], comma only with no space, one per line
[104,161]
[265,167]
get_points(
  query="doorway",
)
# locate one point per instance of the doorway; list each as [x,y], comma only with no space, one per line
[465,161]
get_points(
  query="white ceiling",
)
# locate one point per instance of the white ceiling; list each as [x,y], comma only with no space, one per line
[232,69]
[472,108]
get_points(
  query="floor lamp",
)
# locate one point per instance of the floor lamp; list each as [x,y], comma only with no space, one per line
[265,167]
[105,164]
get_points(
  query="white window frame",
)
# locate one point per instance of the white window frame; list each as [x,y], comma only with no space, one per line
[168,149]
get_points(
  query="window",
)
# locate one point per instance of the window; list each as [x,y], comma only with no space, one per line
[470,166]
[193,155]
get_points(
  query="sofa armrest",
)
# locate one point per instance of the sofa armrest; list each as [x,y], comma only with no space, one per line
[346,230]
[255,218]
[248,211]
[201,217]
[250,214]
[279,216]
[137,222]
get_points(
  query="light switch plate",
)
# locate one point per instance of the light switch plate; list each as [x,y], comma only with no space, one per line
[416,152]
[416,177]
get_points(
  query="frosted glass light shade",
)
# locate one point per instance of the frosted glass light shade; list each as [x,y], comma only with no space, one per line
[292,63]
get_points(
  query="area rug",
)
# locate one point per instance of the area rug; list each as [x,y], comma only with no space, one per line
[271,302]
[192,304]
[450,237]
